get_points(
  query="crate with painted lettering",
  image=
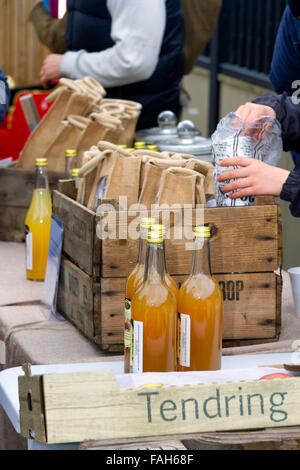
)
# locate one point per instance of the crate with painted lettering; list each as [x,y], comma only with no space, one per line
[116,409]
[16,189]
[245,255]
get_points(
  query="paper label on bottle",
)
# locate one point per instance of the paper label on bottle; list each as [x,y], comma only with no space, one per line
[128,326]
[137,346]
[28,249]
[184,340]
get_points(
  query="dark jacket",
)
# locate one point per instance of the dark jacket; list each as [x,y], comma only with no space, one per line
[288,114]
[4,95]
[88,28]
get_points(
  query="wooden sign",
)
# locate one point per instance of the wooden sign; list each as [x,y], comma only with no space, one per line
[75,407]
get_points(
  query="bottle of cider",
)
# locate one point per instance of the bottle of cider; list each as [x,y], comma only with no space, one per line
[38,224]
[70,162]
[134,279]
[200,312]
[154,315]
[171,283]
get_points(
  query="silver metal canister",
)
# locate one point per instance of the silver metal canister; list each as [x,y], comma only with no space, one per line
[188,141]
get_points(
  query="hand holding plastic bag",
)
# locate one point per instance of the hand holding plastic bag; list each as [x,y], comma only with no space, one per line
[261,139]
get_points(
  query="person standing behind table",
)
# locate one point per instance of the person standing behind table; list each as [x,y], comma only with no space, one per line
[285,65]
[4,95]
[256,178]
[134,48]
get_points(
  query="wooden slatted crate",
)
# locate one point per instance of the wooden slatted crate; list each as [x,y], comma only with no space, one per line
[16,189]
[245,253]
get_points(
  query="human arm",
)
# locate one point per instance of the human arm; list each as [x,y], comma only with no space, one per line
[256,178]
[4,96]
[51,31]
[253,178]
[137,31]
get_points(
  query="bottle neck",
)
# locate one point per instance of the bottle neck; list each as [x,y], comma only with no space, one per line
[201,257]
[155,263]
[142,246]
[41,177]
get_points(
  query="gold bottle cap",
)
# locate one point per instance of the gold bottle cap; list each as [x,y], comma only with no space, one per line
[75,172]
[159,228]
[147,222]
[139,145]
[123,146]
[152,147]
[41,162]
[202,232]
[130,150]
[71,153]
[155,237]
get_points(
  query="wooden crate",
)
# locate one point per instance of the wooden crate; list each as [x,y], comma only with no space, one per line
[74,407]
[245,253]
[16,188]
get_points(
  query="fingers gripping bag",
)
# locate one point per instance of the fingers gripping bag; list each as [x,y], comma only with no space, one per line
[261,139]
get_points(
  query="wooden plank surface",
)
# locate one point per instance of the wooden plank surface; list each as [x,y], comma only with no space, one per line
[75,297]
[21,52]
[80,241]
[84,406]
[16,189]
[265,439]
[245,240]
[250,307]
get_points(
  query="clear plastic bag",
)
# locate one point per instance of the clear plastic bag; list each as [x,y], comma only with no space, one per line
[260,140]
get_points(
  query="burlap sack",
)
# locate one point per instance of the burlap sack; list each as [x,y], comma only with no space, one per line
[93,132]
[124,179]
[68,135]
[150,175]
[206,169]
[88,174]
[128,112]
[99,178]
[67,103]
[181,186]
[161,160]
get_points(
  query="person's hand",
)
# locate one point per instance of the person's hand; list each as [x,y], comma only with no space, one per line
[254,178]
[251,111]
[50,69]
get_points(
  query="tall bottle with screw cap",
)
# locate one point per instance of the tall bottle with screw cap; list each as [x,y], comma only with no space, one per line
[171,283]
[133,281]
[38,224]
[200,307]
[154,314]
[70,162]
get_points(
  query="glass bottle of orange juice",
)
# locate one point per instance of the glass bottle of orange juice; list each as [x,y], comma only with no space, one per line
[171,283]
[134,279]
[200,312]
[38,224]
[154,314]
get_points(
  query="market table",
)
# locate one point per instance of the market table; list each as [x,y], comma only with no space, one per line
[26,336]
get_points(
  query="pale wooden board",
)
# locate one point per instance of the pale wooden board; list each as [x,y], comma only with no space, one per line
[250,308]
[21,53]
[245,240]
[75,298]
[16,189]
[80,242]
[85,406]
[252,305]
[266,439]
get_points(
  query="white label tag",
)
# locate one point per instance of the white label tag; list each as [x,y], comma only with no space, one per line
[185,340]
[137,347]
[29,251]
